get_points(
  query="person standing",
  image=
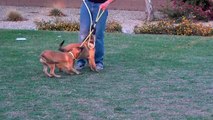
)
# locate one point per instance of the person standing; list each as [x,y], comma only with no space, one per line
[85,23]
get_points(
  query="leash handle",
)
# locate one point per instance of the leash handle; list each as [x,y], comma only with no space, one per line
[92,25]
[90,15]
[99,15]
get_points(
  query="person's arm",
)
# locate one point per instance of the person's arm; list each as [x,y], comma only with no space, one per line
[104,5]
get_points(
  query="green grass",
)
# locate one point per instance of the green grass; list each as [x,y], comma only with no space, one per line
[145,77]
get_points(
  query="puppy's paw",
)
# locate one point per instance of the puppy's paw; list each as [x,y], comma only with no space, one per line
[48,75]
[71,73]
[77,72]
[58,76]
[94,69]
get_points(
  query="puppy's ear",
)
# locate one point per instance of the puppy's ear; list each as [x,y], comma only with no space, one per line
[60,46]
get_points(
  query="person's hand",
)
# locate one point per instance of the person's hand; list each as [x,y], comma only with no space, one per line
[104,5]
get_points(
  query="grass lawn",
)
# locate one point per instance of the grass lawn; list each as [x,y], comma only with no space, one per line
[145,77]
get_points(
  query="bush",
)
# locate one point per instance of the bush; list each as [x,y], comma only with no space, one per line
[205,4]
[162,27]
[56,12]
[57,25]
[185,27]
[191,9]
[60,25]
[113,26]
[14,15]
[173,13]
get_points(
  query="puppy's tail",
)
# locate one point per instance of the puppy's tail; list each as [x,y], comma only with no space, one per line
[60,46]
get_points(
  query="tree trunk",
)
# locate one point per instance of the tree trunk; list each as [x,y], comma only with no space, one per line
[149,10]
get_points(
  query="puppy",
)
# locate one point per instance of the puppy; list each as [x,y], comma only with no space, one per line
[63,60]
[88,51]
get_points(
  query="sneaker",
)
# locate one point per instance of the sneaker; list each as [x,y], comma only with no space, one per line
[99,66]
[79,66]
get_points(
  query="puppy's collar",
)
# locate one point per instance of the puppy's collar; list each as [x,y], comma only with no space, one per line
[72,55]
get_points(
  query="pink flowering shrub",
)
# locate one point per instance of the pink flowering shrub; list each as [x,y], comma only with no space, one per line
[192,9]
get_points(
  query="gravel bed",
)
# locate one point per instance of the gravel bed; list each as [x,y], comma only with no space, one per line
[127,19]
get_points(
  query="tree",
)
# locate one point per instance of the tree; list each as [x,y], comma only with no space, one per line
[149,10]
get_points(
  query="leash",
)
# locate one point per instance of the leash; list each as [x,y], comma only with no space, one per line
[92,25]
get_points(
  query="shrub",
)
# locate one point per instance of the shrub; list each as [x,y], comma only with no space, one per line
[192,9]
[113,26]
[57,25]
[14,15]
[185,27]
[205,4]
[60,25]
[173,13]
[56,12]
[162,27]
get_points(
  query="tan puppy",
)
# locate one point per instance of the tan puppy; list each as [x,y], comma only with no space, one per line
[88,51]
[63,60]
